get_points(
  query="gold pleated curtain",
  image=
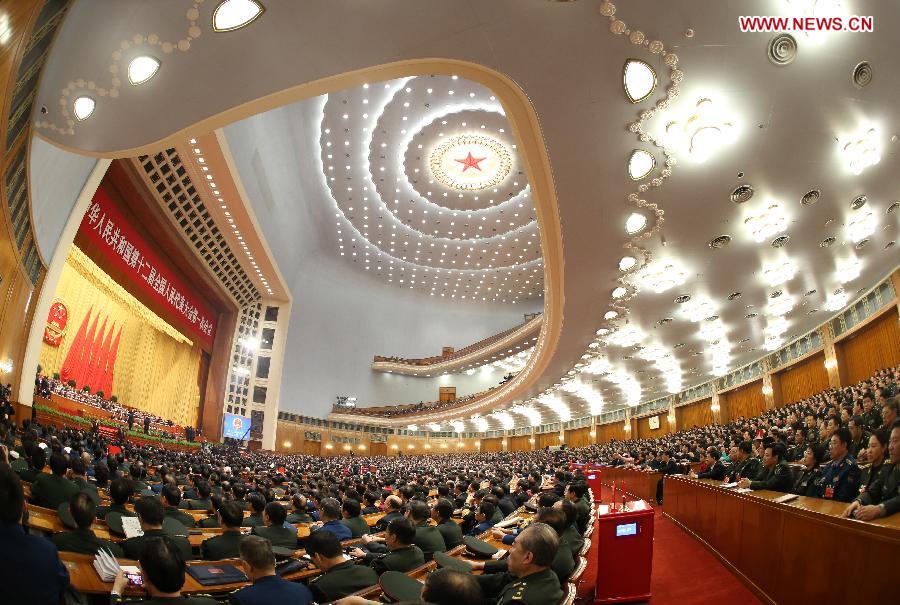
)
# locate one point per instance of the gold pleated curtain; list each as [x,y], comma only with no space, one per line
[156,366]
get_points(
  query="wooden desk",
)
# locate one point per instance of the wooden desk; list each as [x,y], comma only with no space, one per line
[47,520]
[795,553]
[637,483]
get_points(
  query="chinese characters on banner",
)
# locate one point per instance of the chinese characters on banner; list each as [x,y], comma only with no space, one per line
[106,226]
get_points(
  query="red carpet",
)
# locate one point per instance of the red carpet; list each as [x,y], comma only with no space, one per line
[686,573]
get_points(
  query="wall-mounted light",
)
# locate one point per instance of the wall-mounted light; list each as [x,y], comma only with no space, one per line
[286,444]
[328,446]
[767,390]
[830,364]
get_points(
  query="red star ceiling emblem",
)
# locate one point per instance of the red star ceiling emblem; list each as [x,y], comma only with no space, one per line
[470,162]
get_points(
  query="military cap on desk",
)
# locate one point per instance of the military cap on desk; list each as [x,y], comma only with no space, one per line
[65,515]
[445,560]
[479,548]
[398,586]
[147,493]
[282,552]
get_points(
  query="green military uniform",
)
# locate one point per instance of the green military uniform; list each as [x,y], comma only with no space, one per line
[19,465]
[867,476]
[300,517]
[87,487]
[584,514]
[83,541]
[574,539]
[451,532]
[497,516]
[102,511]
[200,504]
[133,547]
[748,468]
[540,588]
[778,478]
[341,580]
[357,526]
[278,536]
[429,539]
[563,563]
[225,546]
[210,521]
[403,560]
[183,518]
[885,490]
[30,475]
[52,490]
[253,520]
[807,483]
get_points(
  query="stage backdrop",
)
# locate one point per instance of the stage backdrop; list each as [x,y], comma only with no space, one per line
[109,340]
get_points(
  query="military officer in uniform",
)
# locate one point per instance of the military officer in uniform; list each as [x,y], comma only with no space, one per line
[746,465]
[226,545]
[351,510]
[428,537]
[340,577]
[577,493]
[274,529]
[840,477]
[857,428]
[119,493]
[82,539]
[257,504]
[529,581]
[403,555]
[442,513]
[299,514]
[172,496]
[883,496]
[809,480]
[151,514]
[871,416]
[775,474]
[81,482]
[563,563]
[53,489]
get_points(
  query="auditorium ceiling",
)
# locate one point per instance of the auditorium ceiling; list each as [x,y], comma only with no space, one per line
[736,196]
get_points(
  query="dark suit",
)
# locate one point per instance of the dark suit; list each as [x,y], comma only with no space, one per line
[173,513]
[341,580]
[338,529]
[83,541]
[272,589]
[278,536]
[211,521]
[52,490]
[30,569]
[133,547]
[225,546]
[201,504]
[451,532]
[717,472]
[584,514]
[382,523]
[357,525]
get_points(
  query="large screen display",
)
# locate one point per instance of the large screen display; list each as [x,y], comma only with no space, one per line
[236,426]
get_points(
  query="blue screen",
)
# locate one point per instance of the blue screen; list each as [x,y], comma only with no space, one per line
[236,426]
[626,529]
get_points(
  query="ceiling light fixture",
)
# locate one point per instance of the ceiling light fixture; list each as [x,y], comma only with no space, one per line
[702,131]
[848,269]
[861,150]
[836,301]
[627,263]
[766,223]
[619,292]
[662,275]
[779,272]
[627,336]
[860,225]
[698,309]
[780,306]
[230,15]
[142,68]
[635,223]
[638,79]
[83,107]
[640,164]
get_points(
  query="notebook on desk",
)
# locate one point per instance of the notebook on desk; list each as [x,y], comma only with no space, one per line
[213,575]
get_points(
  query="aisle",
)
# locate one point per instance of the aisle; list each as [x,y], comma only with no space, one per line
[686,573]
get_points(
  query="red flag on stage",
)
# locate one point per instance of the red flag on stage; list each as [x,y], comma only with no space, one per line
[80,369]
[100,369]
[111,365]
[73,356]
[91,363]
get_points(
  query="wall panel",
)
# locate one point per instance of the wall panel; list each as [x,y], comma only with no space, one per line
[803,379]
[492,445]
[578,437]
[520,443]
[694,414]
[612,431]
[546,439]
[872,347]
[645,432]
[747,401]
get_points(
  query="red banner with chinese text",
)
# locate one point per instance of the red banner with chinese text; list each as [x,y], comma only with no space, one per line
[106,227]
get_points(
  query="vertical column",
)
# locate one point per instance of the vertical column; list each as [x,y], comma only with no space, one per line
[715,406]
[532,441]
[771,387]
[670,414]
[832,364]
[593,433]
[628,427]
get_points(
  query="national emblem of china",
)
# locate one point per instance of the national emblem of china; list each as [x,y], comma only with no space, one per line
[57,320]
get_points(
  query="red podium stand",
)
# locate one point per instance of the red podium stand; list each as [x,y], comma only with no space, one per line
[592,476]
[624,553]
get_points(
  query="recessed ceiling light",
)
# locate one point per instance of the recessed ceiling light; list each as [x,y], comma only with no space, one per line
[682,299]
[83,107]
[639,80]
[610,315]
[741,194]
[640,164]
[627,263]
[635,223]
[734,295]
[858,202]
[811,197]
[828,241]
[720,242]
[619,292]
[142,68]
[235,14]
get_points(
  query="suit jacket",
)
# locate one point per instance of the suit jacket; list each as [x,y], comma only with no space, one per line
[451,532]
[402,560]
[183,518]
[338,529]
[30,569]
[210,521]
[253,520]
[382,523]
[885,490]
[225,546]
[133,547]
[299,517]
[84,541]
[342,580]
[52,490]
[201,504]
[272,589]
[717,472]
[584,514]
[278,536]
[430,540]
[357,525]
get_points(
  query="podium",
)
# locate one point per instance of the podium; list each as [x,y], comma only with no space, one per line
[624,553]
[592,476]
